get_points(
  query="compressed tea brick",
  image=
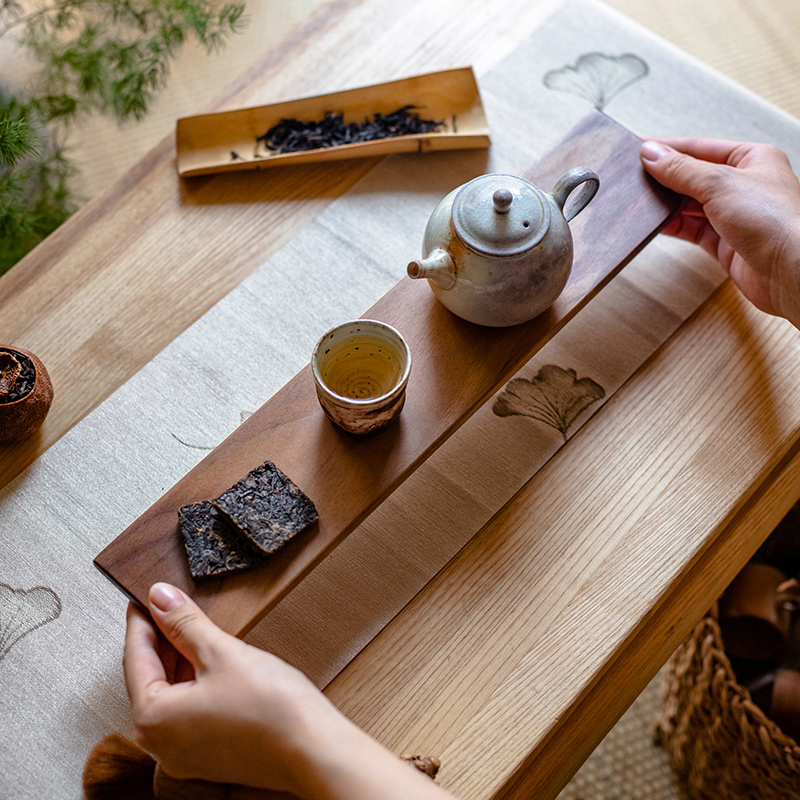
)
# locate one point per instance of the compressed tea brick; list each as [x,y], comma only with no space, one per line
[267,508]
[213,545]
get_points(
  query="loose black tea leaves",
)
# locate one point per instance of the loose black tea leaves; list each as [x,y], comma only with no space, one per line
[17,376]
[267,508]
[293,135]
[212,543]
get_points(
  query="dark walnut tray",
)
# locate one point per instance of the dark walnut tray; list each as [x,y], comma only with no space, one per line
[457,367]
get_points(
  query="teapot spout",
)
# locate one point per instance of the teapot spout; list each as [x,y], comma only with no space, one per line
[438,267]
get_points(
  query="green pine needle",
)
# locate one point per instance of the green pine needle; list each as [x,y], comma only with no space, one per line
[16,141]
[111,56]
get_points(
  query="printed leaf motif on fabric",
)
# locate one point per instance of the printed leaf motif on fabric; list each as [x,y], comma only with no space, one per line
[555,396]
[243,417]
[597,77]
[24,610]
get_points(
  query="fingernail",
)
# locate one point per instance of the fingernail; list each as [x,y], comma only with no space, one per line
[165,597]
[652,151]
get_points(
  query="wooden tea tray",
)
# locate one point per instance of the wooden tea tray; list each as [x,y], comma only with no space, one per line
[206,142]
[457,366]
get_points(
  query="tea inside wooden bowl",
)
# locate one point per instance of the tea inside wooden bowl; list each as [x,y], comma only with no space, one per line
[26,394]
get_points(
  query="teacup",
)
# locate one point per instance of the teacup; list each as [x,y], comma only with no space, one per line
[361,371]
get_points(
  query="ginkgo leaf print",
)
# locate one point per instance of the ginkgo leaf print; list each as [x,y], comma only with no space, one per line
[555,396]
[597,77]
[23,611]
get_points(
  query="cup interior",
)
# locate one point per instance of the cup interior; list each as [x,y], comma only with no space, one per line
[362,361]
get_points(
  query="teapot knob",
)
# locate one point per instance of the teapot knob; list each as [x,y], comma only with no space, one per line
[502,200]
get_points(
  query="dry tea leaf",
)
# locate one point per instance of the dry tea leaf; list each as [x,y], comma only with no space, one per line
[10,370]
[294,135]
[427,764]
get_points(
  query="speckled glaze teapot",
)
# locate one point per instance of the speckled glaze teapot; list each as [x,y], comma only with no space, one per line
[497,251]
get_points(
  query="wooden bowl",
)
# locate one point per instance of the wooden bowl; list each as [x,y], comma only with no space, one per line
[21,418]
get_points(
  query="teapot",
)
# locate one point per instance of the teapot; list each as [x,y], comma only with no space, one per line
[497,251]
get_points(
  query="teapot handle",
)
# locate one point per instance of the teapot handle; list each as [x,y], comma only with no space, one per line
[570,181]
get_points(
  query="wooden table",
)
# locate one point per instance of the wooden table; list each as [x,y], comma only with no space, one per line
[521,653]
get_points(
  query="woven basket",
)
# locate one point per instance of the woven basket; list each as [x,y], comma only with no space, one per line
[722,746]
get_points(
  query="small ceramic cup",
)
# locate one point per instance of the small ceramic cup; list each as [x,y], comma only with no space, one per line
[361,371]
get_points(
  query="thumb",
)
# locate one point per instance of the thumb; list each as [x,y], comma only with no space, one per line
[681,172]
[184,625]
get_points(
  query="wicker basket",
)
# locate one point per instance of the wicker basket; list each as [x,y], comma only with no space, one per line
[722,746]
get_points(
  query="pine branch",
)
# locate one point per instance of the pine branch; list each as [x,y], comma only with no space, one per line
[111,56]
[34,197]
[16,141]
[14,9]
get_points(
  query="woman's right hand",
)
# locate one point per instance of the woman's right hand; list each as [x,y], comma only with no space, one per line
[745,211]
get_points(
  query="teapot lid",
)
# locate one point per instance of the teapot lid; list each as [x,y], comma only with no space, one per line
[500,215]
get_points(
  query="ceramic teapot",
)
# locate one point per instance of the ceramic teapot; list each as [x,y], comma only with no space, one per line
[497,251]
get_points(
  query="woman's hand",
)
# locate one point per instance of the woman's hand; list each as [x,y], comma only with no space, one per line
[209,706]
[745,211]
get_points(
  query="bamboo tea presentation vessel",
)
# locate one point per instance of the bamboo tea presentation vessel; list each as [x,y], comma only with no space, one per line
[458,366]
[226,141]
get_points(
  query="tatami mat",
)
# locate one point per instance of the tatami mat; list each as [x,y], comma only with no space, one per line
[102,150]
[626,765]
[755,42]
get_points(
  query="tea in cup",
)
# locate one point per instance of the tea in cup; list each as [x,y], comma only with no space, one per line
[361,371]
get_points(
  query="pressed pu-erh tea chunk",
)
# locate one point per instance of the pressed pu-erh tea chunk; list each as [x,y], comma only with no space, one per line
[213,545]
[267,508]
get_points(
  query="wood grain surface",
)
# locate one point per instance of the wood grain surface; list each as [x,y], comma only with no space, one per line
[152,254]
[583,603]
[534,639]
[512,715]
[457,366]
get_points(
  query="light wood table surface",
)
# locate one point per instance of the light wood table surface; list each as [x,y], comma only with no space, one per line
[511,703]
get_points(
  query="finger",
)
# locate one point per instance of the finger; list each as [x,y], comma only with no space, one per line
[142,666]
[700,180]
[169,657]
[726,256]
[696,230]
[717,151]
[177,668]
[184,671]
[693,209]
[185,626]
